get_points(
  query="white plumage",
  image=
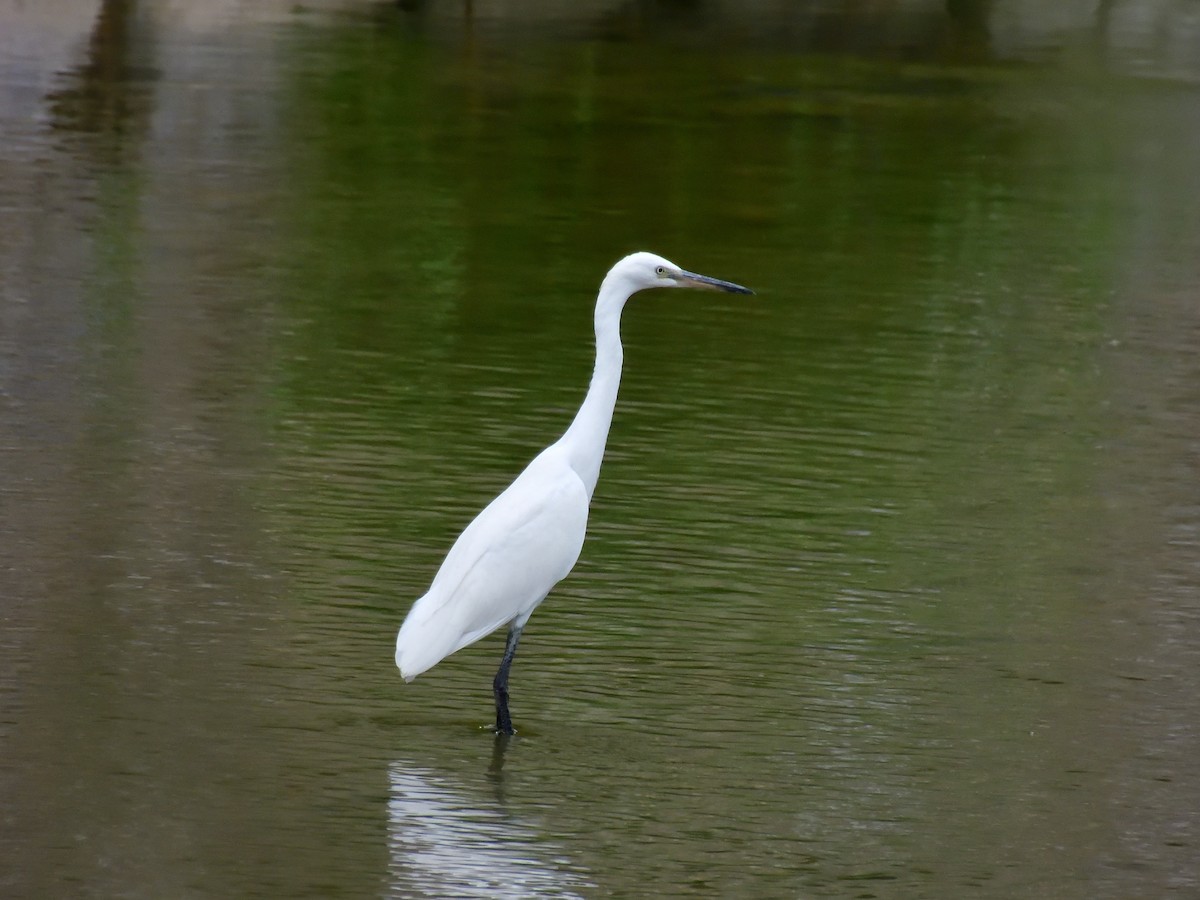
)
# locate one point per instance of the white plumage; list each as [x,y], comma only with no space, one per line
[501,566]
[527,539]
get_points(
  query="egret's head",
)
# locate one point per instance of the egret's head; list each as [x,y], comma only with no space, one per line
[640,271]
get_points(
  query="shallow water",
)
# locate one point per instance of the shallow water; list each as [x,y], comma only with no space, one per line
[891,581]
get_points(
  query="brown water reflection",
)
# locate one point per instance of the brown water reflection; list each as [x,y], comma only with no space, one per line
[891,586]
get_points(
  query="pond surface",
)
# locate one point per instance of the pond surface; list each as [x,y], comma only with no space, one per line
[891,585]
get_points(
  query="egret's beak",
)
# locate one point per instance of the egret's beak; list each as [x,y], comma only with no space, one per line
[703,282]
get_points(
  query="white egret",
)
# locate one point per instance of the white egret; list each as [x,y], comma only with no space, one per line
[527,539]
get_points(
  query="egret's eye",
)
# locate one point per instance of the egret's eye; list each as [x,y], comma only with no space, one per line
[661,270]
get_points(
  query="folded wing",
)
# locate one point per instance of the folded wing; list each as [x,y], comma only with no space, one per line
[501,567]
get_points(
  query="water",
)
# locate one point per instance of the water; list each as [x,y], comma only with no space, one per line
[890,587]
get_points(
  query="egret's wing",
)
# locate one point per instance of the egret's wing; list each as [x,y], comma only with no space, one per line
[502,565]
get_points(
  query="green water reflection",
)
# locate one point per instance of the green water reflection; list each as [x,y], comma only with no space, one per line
[862,557]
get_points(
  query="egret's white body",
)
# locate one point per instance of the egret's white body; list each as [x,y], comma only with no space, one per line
[502,566]
[528,539]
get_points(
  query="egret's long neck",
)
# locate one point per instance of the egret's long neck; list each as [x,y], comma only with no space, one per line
[585,438]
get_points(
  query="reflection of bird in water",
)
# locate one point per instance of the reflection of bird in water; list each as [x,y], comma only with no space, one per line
[527,539]
[444,840]
[496,768]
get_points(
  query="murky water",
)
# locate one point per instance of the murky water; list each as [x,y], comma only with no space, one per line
[891,583]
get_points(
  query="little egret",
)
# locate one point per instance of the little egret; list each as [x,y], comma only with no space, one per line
[527,539]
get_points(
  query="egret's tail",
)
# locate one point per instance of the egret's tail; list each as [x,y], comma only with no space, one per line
[432,631]
[415,653]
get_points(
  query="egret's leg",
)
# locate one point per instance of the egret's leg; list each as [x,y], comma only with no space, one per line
[500,684]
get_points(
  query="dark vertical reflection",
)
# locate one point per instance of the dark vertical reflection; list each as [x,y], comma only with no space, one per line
[970,21]
[109,96]
[500,748]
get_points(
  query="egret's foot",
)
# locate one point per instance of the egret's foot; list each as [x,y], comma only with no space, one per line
[504,723]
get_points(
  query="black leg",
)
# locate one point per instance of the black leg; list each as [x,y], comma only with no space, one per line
[500,684]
